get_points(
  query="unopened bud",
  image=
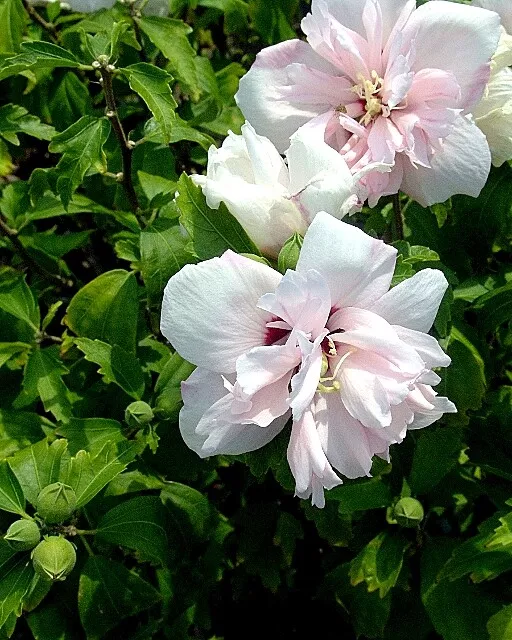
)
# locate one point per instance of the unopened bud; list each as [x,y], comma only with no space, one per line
[54,558]
[110,67]
[120,176]
[96,64]
[138,414]
[289,254]
[103,60]
[408,512]
[109,113]
[131,144]
[23,535]
[56,503]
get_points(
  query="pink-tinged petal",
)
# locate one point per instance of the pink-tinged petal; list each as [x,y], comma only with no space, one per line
[502,7]
[370,332]
[414,302]
[305,382]
[425,417]
[344,439]
[461,165]
[302,300]
[350,13]
[364,397]
[199,392]
[427,347]
[266,99]
[308,463]
[455,38]
[209,311]
[264,365]
[357,268]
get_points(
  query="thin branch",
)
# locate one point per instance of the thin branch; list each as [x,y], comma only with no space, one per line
[37,17]
[124,144]
[398,219]
[12,236]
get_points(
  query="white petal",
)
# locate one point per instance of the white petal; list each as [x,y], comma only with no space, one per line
[414,302]
[364,397]
[502,7]
[268,166]
[461,165]
[357,268]
[264,365]
[266,95]
[426,346]
[456,38]
[209,311]
[425,419]
[305,382]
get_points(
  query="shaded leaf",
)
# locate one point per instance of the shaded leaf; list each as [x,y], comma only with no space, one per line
[11,493]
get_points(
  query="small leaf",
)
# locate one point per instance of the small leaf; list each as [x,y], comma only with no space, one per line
[152,84]
[11,493]
[15,119]
[108,593]
[212,232]
[189,509]
[138,524]
[116,365]
[494,308]
[365,494]
[15,580]
[10,349]
[12,25]
[17,299]
[38,55]
[91,434]
[499,625]
[107,309]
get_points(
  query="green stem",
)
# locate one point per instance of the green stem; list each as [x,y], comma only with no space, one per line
[87,545]
[124,143]
[398,219]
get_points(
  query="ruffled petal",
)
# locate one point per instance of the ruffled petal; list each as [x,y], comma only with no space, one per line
[426,346]
[414,302]
[357,268]
[364,397]
[209,310]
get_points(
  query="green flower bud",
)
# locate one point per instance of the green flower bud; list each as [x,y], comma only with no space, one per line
[289,254]
[56,503]
[23,535]
[408,512]
[54,558]
[138,414]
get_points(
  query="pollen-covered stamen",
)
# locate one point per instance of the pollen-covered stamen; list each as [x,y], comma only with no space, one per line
[335,386]
[370,92]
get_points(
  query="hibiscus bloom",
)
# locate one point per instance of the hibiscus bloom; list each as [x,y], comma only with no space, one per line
[272,200]
[383,81]
[328,345]
[493,114]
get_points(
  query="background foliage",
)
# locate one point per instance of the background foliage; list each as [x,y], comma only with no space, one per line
[100,114]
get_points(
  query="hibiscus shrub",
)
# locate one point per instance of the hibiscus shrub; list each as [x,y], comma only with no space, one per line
[112,525]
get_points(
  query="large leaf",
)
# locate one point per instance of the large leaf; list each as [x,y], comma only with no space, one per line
[38,55]
[10,349]
[107,309]
[19,429]
[12,23]
[190,510]
[15,119]
[82,147]
[91,434]
[43,379]
[162,250]
[108,593]
[499,625]
[152,85]
[15,579]
[359,496]
[116,365]
[494,308]
[212,232]
[170,36]
[38,466]
[139,524]
[88,474]
[11,493]
[17,299]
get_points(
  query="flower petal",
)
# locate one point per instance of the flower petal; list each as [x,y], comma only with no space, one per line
[357,268]
[209,311]
[461,165]
[414,302]
[262,366]
[266,93]
[455,38]
[427,347]
[502,7]
[364,397]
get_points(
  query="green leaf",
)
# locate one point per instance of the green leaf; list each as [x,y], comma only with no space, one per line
[69,101]
[494,308]
[14,583]
[82,147]
[170,36]
[109,593]
[43,379]
[190,510]
[499,625]
[372,493]
[38,55]
[379,563]
[10,349]
[138,524]
[162,249]
[436,453]
[12,25]
[116,365]
[90,434]
[212,232]
[152,84]
[17,299]
[15,119]
[180,130]
[19,429]
[11,493]
[107,309]
[50,622]
[88,474]
[38,466]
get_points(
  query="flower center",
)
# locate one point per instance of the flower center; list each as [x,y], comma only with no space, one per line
[369,91]
[330,384]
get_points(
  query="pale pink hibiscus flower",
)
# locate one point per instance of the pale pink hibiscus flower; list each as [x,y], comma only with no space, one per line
[383,81]
[329,345]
